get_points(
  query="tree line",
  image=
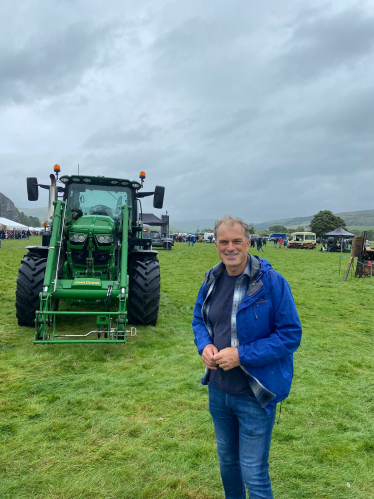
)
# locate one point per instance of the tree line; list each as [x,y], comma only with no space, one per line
[324,221]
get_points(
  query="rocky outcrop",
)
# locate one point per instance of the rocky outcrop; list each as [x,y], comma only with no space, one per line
[8,210]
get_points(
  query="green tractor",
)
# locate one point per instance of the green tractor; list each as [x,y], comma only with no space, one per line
[96,257]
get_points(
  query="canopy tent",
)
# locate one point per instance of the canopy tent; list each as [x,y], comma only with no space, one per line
[10,225]
[339,233]
[151,219]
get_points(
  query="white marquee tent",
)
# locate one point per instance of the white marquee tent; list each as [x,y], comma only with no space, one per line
[10,225]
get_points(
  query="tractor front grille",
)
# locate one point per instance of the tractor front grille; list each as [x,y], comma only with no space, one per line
[101,257]
[79,256]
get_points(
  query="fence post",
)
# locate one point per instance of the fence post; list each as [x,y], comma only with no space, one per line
[371,271]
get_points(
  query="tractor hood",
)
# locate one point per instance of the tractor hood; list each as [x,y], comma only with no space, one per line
[93,224]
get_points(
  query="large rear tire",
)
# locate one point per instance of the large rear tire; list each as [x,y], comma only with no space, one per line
[144,290]
[29,285]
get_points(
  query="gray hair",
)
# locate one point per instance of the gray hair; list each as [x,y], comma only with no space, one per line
[231,221]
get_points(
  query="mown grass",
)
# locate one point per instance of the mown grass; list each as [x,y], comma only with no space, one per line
[131,421]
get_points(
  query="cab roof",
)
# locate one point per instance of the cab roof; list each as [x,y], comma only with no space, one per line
[109,181]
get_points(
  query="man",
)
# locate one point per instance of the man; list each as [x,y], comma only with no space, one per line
[246,329]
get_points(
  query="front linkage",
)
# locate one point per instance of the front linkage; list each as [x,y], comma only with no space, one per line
[86,289]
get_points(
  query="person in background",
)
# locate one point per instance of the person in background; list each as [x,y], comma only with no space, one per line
[259,244]
[280,241]
[285,243]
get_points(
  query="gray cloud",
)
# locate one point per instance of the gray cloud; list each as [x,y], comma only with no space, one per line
[323,42]
[49,66]
[236,122]
[248,108]
[115,136]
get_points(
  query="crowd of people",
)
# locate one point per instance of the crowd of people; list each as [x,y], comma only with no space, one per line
[16,234]
[259,242]
[333,244]
[20,234]
[190,239]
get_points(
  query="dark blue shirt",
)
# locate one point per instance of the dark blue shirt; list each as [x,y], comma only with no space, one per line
[234,381]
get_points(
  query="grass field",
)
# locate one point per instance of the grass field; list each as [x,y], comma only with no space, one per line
[131,421]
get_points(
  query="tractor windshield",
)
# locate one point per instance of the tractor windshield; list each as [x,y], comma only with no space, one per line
[98,199]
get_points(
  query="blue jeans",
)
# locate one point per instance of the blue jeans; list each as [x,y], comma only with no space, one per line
[243,433]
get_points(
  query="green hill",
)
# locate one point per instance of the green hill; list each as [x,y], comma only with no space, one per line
[41,213]
[287,222]
[351,218]
[358,218]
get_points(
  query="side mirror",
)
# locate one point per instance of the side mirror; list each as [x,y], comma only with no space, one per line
[32,188]
[158,199]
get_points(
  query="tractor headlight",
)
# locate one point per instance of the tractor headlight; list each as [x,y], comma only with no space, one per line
[78,238]
[104,239]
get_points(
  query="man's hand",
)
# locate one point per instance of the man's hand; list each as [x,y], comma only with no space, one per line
[207,356]
[227,359]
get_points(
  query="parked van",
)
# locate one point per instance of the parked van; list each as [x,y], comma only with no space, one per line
[302,240]
[209,237]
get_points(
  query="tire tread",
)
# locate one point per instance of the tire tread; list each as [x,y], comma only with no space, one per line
[29,284]
[144,290]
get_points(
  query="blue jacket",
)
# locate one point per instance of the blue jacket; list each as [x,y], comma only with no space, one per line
[268,328]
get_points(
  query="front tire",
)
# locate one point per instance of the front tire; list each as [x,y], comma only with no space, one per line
[29,285]
[167,246]
[144,290]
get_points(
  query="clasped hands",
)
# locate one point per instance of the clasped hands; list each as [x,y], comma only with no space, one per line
[227,359]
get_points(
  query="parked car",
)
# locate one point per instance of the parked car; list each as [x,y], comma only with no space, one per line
[159,241]
[302,240]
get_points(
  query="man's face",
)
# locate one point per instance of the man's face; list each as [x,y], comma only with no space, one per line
[232,247]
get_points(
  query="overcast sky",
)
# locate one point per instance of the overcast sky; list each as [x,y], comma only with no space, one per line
[258,109]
